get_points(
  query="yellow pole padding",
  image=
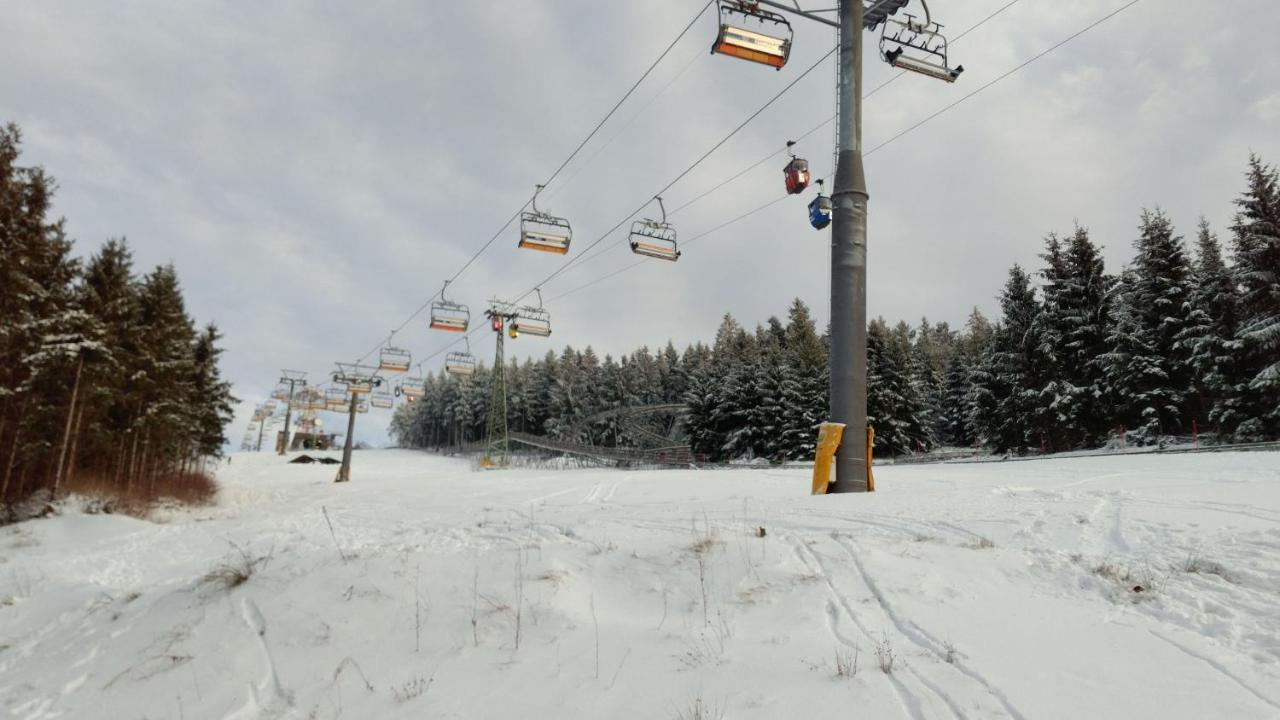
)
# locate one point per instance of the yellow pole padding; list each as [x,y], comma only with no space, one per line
[829,435]
[871,443]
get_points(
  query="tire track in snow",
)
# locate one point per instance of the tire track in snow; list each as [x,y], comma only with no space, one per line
[912,703]
[921,637]
[1222,669]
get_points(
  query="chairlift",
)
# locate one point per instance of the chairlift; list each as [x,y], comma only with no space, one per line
[336,398]
[393,359]
[313,401]
[449,315]
[412,388]
[532,320]
[653,238]
[543,231]
[382,399]
[460,363]
[737,39]
[920,47]
[796,172]
[820,209]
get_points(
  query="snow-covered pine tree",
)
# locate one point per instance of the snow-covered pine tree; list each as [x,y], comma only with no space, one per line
[1208,339]
[1256,254]
[1017,370]
[1154,388]
[804,384]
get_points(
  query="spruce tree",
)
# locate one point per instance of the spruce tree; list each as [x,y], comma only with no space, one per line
[1256,245]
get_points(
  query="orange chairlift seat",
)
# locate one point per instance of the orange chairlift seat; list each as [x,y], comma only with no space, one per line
[531,320]
[654,238]
[382,399]
[394,359]
[460,363]
[412,387]
[335,398]
[745,38]
[448,315]
[543,231]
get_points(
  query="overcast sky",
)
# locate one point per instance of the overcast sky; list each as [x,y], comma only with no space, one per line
[316,170]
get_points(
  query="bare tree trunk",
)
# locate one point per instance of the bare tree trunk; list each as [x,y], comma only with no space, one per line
[120,456]
[75,443]
[138,473]
[66,432]
[13,449]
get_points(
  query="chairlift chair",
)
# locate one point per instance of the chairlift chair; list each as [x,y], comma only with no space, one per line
[532,320]
[543,231]
[820,209]
[461,363]
[796,172]
[736,39]
[335,398]
[412,387]
[654,238]
[393,359]
[382,399]
[449,315]
[920,47]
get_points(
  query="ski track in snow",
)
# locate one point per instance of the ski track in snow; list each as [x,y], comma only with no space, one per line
[111,617]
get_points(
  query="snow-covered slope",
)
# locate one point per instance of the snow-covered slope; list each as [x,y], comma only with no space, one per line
[1129,587]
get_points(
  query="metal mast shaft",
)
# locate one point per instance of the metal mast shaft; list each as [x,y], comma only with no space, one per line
[848,363]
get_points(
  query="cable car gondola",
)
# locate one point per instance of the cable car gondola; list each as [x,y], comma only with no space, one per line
[393,359]
[796,172]
[460,363]
[917,46]
[736,40]
[820,209]
[449,315]
[532,320]
[653,238]
[543,231]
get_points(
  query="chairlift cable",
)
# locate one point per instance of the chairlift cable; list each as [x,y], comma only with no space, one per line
[683,173]
[898,136]
[619,271]
[553,176]
[1006,74]
[580,259]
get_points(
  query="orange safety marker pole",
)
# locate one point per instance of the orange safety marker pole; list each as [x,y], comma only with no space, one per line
[871,441]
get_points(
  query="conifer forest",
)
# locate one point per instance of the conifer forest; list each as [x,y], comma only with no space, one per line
[105,380]
[1182,341]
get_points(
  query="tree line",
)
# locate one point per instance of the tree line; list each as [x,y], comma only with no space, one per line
[1178,341]
[104,377]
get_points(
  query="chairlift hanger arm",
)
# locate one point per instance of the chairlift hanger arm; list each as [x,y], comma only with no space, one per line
[875,13]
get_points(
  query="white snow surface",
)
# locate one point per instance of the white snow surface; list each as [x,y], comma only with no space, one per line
[1001,590]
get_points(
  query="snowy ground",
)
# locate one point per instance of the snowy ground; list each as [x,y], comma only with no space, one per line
[1000,590]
